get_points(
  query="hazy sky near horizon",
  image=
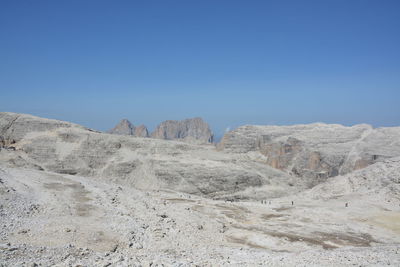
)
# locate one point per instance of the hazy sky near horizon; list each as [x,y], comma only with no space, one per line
[230,62]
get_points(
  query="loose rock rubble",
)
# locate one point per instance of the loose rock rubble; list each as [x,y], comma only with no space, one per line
[57,211]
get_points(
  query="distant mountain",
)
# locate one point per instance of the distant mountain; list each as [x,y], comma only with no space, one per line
[125,127]
[141,131]
[192,130]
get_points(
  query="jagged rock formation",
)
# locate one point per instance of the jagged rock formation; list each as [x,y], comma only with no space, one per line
[125,127]
[315,150]
[191,130]
[144,163]
[141,131]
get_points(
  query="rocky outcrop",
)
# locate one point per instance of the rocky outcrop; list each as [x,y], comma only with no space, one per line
[316,150]
[144,163]
[377,180]
[14,127]
[125,127]
[192,130]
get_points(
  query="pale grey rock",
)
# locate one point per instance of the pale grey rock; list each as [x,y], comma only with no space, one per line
[13,126]
[195,129]
[379,180]
[145,163]
[110,223]
[317,150]
[98,219]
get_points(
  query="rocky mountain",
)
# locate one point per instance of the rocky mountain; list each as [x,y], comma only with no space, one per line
[192,130]
[145,163]
[71,196]
[125,127]
[141,131]
[317,150]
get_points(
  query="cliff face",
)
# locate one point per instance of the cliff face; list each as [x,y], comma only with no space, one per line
[192,130]
[315,150]
[145,163]
[125,127]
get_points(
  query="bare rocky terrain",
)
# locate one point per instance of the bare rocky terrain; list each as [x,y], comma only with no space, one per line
[316,151]
[305,195]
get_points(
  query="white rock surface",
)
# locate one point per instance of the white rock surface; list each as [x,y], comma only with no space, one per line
[70,196]
[142,162]
[317,150]
[50,218]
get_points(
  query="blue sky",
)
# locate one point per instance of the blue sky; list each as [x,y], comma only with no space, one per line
[230,62]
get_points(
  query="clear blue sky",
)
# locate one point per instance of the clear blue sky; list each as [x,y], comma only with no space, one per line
[230,62]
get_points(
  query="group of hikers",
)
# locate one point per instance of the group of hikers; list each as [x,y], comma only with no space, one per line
[269,202]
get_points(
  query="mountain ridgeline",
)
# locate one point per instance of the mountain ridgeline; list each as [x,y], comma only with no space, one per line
[194,130]
[270,160]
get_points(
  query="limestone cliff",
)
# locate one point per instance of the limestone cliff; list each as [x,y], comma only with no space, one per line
[315,150]
[144,163]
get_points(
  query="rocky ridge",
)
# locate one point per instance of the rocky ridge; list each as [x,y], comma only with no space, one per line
[316,151]
[125,127]
[141,162]
[72,196]
[195,129]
